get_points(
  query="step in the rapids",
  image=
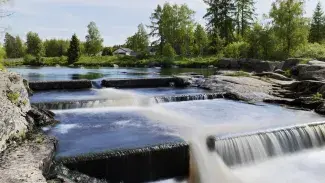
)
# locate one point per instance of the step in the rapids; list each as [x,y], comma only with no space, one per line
[135,165]
[60,85]
[64,105]
[172,160]
[145,82]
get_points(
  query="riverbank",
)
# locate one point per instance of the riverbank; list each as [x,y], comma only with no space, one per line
[127,61]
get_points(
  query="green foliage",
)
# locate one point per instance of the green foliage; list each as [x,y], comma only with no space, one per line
[201,40]
[34,45]
[289,25]
[311,50]
[317,97]
[236,50]
[56,48]
[244,15]
[168,52]
[13,46]
[139,42]
[13,97]
[220,17]
[173,24]
[74,50]
[317,29]
[238,74]
[53,61]
[288,73]
[107,51]
[2,54]
[32,60]
[94,41]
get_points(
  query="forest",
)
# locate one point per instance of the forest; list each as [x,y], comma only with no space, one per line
[173,37]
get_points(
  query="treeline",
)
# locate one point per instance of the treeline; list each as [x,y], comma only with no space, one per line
[232,30]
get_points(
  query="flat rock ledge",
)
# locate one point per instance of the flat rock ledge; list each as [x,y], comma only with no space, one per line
[29,161]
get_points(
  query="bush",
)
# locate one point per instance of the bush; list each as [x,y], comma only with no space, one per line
[53,61]
[2,68]
[107,51]
[311,50]
[236,50]
[13,97]
[317,97]
[32,60]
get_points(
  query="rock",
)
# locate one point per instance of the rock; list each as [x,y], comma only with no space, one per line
[224,63]
[14,107]
[41,117]
[311,71]
[320,109]
[241,88]
[274,76]
[60,85]
[279,71]
[234,64]
[254,65]
[29,162]
[289,63]
[305,88]
[316,62]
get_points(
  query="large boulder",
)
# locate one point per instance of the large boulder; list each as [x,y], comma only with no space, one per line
[313,70]
[14,107]
[225,63]
[290,63]
[254,65]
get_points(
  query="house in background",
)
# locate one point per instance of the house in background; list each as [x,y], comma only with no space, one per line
[125,51]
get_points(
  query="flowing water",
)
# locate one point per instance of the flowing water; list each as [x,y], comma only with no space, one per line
[248,151]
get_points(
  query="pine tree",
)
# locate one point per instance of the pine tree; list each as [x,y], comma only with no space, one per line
[220,16]
[244,15]
[74,50]
[19,47]
[156,28]
[317,30]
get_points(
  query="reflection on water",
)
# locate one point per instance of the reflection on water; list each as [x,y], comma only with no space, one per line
[68,73]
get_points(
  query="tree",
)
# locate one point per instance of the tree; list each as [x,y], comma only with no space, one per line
[317,30]
[56,48]
[220,17]
[139,42]
[201,39]
[74,50]
[10,44]
[19,47]
[34,44]
[289,24]
[156,28]
[168,51]
[173,24]
[107,51]
[244,15]
[93,40]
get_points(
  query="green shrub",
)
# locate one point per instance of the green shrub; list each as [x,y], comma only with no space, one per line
[311,50]
[32,60]
[288,73]
[52,61]
[13,97]
[2,67]
[317,97]
[236,50]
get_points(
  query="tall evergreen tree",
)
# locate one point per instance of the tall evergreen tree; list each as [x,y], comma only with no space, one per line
[317,29]
[220,16]
[156,28]
[245,13]
[74,50]
[289,24]
[94,41]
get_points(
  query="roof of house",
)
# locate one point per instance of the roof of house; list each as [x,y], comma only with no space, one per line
[123,50]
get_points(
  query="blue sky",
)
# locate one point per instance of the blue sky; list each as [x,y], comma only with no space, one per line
[116,19]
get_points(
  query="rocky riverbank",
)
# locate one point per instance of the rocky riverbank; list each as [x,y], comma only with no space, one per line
[300,85]
[26,153]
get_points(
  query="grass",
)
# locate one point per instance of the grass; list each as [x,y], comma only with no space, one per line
[13,97]
[288,73]
[317,97]
[238,74]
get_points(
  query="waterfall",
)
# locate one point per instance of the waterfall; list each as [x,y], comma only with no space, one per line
[249,148]
[125,101]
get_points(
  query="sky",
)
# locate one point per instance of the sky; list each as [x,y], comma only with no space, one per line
[116,19]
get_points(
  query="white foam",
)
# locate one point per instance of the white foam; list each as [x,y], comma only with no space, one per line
[65,128]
